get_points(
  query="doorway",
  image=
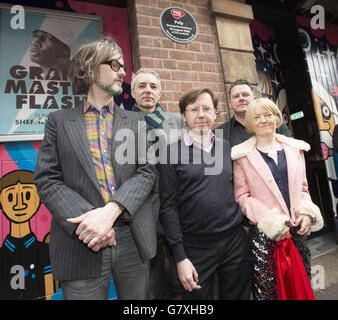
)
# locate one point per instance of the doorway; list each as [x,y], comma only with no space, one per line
[298,91]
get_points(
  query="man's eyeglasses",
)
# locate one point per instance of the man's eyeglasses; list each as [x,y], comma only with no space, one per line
[115,65]
[195,111]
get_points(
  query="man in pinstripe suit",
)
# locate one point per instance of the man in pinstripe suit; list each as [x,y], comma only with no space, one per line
[102,214]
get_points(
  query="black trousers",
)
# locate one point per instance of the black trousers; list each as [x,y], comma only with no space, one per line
[229,258]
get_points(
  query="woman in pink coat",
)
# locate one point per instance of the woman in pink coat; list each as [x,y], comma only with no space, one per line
[271,188]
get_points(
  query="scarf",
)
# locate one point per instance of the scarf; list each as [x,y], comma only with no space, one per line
[154,120]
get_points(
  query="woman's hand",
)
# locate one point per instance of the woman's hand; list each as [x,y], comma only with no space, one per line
[282,235]
[304,221]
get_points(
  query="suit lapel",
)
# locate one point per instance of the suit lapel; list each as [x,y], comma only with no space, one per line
[75,128]
[264,172]
[120,122]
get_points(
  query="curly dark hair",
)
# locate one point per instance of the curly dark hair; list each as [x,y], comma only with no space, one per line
[84,64]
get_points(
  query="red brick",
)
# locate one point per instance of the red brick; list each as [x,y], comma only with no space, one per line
[164,105]
[150,31]
[206,48]
[172,85]
[158,64]
[205,29]
[145,41]
[197,66]
[192,9]
[210,67]
[170,64]
[169,96]
[205,38]
[208,77]
[145,2]
[181,55]
[147,62]
[164,75]
[206,57]
[186,76]
[203,3]
[155,21]
[203,19]
[153,52]
[177,95]
[173,107]
[143,20]
[166,43]
[157,43]
[185,86]
[183,66]
[212,86]
[149,11]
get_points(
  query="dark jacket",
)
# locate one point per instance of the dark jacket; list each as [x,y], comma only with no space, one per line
[226,127]
[67,184]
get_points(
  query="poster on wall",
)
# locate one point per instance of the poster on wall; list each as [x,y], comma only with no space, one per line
[24,242]
[35,54]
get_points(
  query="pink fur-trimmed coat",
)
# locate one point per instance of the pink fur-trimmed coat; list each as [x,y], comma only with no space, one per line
[258,194]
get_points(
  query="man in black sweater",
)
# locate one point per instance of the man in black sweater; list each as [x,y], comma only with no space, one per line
[201,219]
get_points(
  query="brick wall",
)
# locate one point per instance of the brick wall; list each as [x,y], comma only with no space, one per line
[180,66]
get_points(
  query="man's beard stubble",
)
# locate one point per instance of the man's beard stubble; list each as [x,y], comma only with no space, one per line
[113,89]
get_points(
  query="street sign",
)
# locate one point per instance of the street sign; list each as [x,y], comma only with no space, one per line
[297,115]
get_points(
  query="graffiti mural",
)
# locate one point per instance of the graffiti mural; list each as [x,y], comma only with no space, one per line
[25,268]
[320,50]
[270,77]
[25,271]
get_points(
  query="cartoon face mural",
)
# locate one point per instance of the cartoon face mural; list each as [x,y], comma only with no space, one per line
[19,198]
[326,115]
[320,49]
[25,268]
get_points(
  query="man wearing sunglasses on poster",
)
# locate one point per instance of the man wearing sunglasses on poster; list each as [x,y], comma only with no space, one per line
[51,54]
[102,220]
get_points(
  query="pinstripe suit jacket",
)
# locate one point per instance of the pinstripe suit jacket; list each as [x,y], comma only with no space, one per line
[66,182]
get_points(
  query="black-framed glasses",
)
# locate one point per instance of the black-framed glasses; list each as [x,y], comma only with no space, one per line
[115,65]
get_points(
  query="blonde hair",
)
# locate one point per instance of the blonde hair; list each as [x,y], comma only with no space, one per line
[266,104]
[84,65]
